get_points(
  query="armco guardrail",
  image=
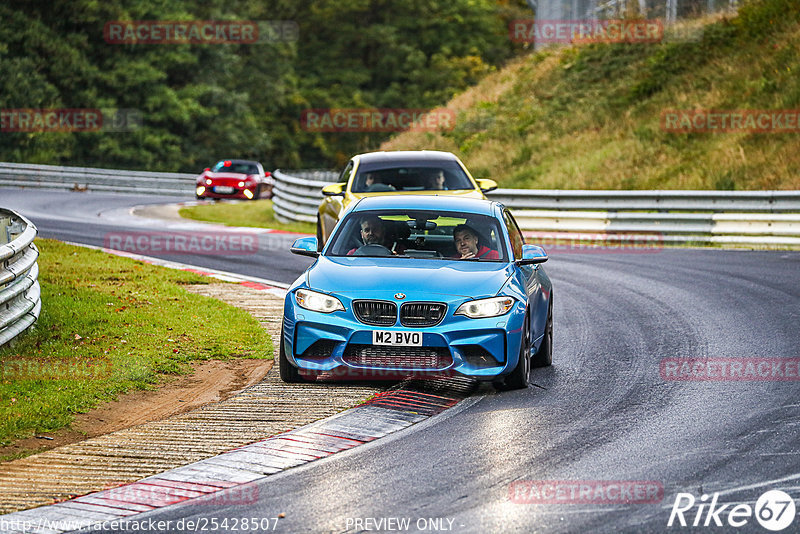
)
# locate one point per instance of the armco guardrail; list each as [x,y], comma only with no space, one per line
[20,297]
[296,194]
[85,178]
[735,217]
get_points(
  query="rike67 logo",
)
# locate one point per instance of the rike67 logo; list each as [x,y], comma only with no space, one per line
[774,510]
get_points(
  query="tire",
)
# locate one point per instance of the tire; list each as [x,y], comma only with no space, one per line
[520,376]
[257,193]
[289,373]
[544,356]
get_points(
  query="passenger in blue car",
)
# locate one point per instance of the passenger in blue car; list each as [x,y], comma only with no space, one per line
[468,244]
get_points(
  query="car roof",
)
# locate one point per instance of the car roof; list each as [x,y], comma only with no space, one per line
[240,161]
[405,156]
[427,202]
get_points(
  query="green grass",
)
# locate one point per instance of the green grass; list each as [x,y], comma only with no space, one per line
[255,213]
[110,325]
[588,117]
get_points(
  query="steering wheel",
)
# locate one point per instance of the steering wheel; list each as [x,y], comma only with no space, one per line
[372,250]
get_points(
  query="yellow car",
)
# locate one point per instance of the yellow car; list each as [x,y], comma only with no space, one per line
[421,172]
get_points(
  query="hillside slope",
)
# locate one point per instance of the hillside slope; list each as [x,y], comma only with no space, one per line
[589,117]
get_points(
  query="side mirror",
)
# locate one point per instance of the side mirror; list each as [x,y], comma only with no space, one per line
[333,190]
[487,185]
[305,246]
[532,254]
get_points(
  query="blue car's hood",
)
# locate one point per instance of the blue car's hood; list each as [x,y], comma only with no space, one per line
[407,275]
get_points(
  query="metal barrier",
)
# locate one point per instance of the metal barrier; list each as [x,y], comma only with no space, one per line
[84,178]
[704,217]
[296,196]
[20,297]
[745,217]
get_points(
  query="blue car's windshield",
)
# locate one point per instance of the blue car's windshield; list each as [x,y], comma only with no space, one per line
[419,234]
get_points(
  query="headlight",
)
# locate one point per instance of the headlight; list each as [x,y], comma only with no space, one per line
[208,181]
[319,302]
[241,184]
[492,307]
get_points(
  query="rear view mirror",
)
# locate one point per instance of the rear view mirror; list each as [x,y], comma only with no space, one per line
[421,225]
[487,185]
[532,254]
[333,190]
[305,246]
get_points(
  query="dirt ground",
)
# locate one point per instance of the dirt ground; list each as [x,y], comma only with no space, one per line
[212,381]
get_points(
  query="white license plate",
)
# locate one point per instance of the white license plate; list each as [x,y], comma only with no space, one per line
[223,189]
[398,339]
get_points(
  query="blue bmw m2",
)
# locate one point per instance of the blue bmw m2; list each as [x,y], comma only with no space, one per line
[420,286]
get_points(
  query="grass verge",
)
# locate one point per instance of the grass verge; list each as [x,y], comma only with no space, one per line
[590,116]
[110,325]
[255,213]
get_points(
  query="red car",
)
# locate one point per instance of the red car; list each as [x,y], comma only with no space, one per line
[235,178]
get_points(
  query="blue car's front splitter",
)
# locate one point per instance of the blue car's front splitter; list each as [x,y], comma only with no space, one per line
[336,343]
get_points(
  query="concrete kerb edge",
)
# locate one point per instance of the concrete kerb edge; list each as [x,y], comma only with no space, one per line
[229,472]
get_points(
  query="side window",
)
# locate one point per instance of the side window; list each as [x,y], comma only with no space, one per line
[346,173]
[517,240]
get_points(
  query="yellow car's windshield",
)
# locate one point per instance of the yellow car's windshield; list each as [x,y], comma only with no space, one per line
[439,176]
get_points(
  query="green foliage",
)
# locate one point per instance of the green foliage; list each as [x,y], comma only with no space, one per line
[203,102]
[589,116]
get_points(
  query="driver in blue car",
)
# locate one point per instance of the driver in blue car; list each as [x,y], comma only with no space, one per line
[373,232]
[468,244]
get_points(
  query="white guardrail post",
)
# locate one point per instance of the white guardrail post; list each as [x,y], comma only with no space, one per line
[703,217]
[20,297]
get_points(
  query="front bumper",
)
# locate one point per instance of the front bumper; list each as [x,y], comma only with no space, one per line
[209,192]
[339,344]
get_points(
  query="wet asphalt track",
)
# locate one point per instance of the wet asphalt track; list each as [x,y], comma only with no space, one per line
[602,412]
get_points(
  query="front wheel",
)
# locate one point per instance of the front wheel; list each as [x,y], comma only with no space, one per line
[544,356]
[520,376]
[289,373]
